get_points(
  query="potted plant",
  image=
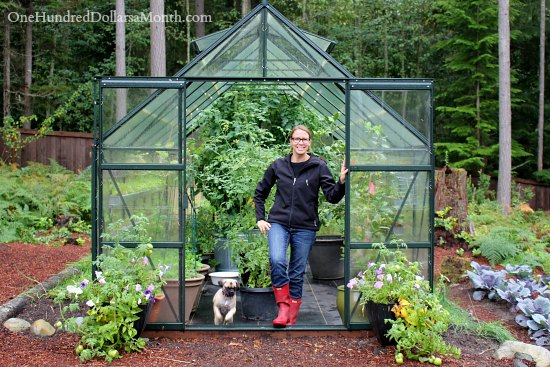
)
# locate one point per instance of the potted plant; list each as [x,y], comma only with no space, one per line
[167,310]
[417,321]
[251,257]
[325,259]
[116,302]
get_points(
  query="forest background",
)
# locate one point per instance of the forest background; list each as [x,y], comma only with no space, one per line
[48,67]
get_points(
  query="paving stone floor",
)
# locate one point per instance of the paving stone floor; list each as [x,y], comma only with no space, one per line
[318,305]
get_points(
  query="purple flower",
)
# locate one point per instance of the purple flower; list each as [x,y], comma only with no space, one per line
[370,265]
[380,277]
[84,283]
[378,285]
[102,281]
[138,287]
[417,286]
[360,274]
[352,283]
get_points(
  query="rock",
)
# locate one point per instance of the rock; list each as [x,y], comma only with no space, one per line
[17,325]
[42,328]
[540,355]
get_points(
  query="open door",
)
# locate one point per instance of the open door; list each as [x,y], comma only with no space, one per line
[389,152]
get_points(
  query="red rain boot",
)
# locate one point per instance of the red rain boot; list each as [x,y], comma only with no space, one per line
[294,308]
[282,297]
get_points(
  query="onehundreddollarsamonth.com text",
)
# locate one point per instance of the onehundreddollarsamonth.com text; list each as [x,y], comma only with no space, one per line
[111,17]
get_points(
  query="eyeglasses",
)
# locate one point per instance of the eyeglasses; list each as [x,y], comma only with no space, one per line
[300,140]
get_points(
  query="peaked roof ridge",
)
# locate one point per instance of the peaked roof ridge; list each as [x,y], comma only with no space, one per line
[297,55]
[225,36]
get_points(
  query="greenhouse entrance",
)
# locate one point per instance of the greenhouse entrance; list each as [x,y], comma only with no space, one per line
[177,159]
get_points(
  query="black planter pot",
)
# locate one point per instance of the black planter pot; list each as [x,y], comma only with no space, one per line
[325,258]
[377,313]
[258,304]
[140,323]
[223,254]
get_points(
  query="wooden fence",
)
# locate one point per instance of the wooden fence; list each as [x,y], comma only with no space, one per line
[71,150]
[541,197]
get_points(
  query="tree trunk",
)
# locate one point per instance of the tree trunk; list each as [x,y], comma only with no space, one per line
[540,155]
[199,26]
[7,66]
[451,191]
[120,55]
[27,100]
[505,109]
[245,8]
[158,39]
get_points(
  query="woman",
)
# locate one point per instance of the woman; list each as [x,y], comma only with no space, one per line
[293,219]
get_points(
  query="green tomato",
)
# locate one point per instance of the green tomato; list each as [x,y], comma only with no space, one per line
[79,350]
[58,325]
[113,353]
[149,252]
[399,358]
[149,246]
[437,361]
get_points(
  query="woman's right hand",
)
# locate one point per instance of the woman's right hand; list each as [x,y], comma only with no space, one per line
[263,226]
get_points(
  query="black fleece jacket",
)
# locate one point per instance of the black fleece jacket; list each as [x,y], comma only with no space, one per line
[297,198]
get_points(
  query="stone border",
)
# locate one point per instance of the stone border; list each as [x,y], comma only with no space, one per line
[14,307]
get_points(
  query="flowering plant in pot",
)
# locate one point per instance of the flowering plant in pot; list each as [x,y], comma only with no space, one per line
[115,302]
[418,320]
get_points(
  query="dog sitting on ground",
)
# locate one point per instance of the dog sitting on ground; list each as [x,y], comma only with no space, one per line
[225,302]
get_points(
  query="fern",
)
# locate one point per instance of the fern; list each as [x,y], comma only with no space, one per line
[503,243]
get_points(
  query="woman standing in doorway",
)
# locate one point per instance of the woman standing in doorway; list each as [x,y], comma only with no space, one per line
[293,219]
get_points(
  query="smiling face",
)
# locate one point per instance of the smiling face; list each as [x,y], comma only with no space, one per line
[300,142]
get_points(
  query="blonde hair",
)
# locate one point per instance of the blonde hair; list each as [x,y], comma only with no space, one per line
[300,127]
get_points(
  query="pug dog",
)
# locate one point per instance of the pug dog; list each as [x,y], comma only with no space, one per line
[225,302]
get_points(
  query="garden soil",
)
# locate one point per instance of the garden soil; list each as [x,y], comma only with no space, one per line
[26,265]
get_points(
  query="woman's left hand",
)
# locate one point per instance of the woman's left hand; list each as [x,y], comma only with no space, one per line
[343,172]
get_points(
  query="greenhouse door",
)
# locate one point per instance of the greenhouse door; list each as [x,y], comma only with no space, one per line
[389,150]
[139,177]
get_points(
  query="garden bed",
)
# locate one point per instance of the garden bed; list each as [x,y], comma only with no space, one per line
[203,349]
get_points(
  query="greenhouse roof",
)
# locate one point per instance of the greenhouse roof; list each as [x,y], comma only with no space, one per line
[264,44]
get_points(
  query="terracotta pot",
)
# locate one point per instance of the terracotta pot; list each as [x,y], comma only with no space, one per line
[169,307]
[155,309]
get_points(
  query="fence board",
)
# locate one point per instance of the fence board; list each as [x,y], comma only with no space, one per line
[71,150]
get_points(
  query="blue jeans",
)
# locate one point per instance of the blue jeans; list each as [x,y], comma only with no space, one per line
[301,242]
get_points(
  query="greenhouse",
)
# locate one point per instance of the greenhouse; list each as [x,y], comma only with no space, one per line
[176,161]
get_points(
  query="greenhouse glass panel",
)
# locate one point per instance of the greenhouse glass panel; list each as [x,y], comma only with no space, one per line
[127,98]
[148,133]
[128,194]
[226,59]
[389,205]
[380,136]
[168,309]
[413,105]
[299,56]
[359,258]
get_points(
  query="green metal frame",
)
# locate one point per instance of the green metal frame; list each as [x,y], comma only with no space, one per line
[196,92]
[365,85]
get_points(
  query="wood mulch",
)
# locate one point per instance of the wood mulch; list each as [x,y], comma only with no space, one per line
[25,265]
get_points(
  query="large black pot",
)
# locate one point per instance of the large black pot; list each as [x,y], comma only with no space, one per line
[325,258]
[377,313]
[258,304]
